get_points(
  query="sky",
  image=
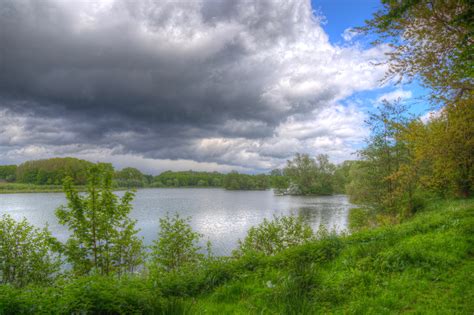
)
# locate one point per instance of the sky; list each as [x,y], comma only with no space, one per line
[203,85]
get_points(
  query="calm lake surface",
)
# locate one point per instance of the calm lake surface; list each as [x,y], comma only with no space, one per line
[222,216]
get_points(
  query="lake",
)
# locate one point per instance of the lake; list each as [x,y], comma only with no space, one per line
[221,216]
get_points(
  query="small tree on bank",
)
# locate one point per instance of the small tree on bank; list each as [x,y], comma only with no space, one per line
[27,254]
[104,239]
[177,245]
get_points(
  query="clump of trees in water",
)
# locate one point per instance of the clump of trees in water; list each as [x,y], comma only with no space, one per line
[313,176]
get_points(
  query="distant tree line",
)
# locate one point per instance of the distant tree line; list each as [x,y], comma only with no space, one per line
[188,179]
[8,173]
[302,176]
[236,181]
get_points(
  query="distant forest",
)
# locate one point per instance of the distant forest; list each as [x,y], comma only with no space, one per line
[302,176]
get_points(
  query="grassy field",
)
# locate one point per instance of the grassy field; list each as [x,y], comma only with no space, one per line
[424,265]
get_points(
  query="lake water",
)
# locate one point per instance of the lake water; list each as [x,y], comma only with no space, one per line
[221,216]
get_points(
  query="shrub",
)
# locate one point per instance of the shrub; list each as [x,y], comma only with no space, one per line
[27,254]
[271,237]
[177,245]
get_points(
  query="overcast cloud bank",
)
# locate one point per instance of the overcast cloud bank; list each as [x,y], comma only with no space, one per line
[203,84]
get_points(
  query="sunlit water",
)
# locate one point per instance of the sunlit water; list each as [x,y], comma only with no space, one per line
[221,216]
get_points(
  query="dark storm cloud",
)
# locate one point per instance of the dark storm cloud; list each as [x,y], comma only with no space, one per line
[158,78]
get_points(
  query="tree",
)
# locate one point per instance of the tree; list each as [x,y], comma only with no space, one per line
[104,238]
[341,177]
[278,180]
[27,254]
[130,177]
[310,176]
[430,39]
[443,150]
[8,173]
[375,181]
[177,245]
[236,181]
[53,171]
[433,40]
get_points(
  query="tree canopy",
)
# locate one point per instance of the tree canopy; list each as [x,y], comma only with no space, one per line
[432,40]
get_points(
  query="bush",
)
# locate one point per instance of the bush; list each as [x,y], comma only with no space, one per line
[177,245]
[110,295]
[270,237]
[27,254]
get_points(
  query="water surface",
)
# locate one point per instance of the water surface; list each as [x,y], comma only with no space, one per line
[221,216]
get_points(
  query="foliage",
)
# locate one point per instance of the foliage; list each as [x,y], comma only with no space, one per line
[311,176]
[53,171]
[236,181]
[85,295]
[8,173]
[188,179]
[130,177]
[271,237]
[27,254]
[341,177]
[177,245]
[407,159]
[443,150]
[432,40]
[49,174]
[423,265]
[279,181]
[376,180]
[103,238]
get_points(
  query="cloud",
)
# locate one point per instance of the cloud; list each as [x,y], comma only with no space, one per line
[349,34]
[393,96]
[227,83]
[430,115]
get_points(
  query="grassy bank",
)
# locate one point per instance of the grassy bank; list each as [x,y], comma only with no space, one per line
[17,188]
[424,265]
[13,188]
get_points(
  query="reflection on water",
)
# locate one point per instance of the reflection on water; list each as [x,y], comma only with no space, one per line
[222,216]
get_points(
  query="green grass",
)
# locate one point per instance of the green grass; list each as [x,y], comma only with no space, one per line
[16,188]
[11,188]
[422,266]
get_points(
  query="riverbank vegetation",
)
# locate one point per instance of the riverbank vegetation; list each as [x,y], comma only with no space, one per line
[423,265]
[408,160]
